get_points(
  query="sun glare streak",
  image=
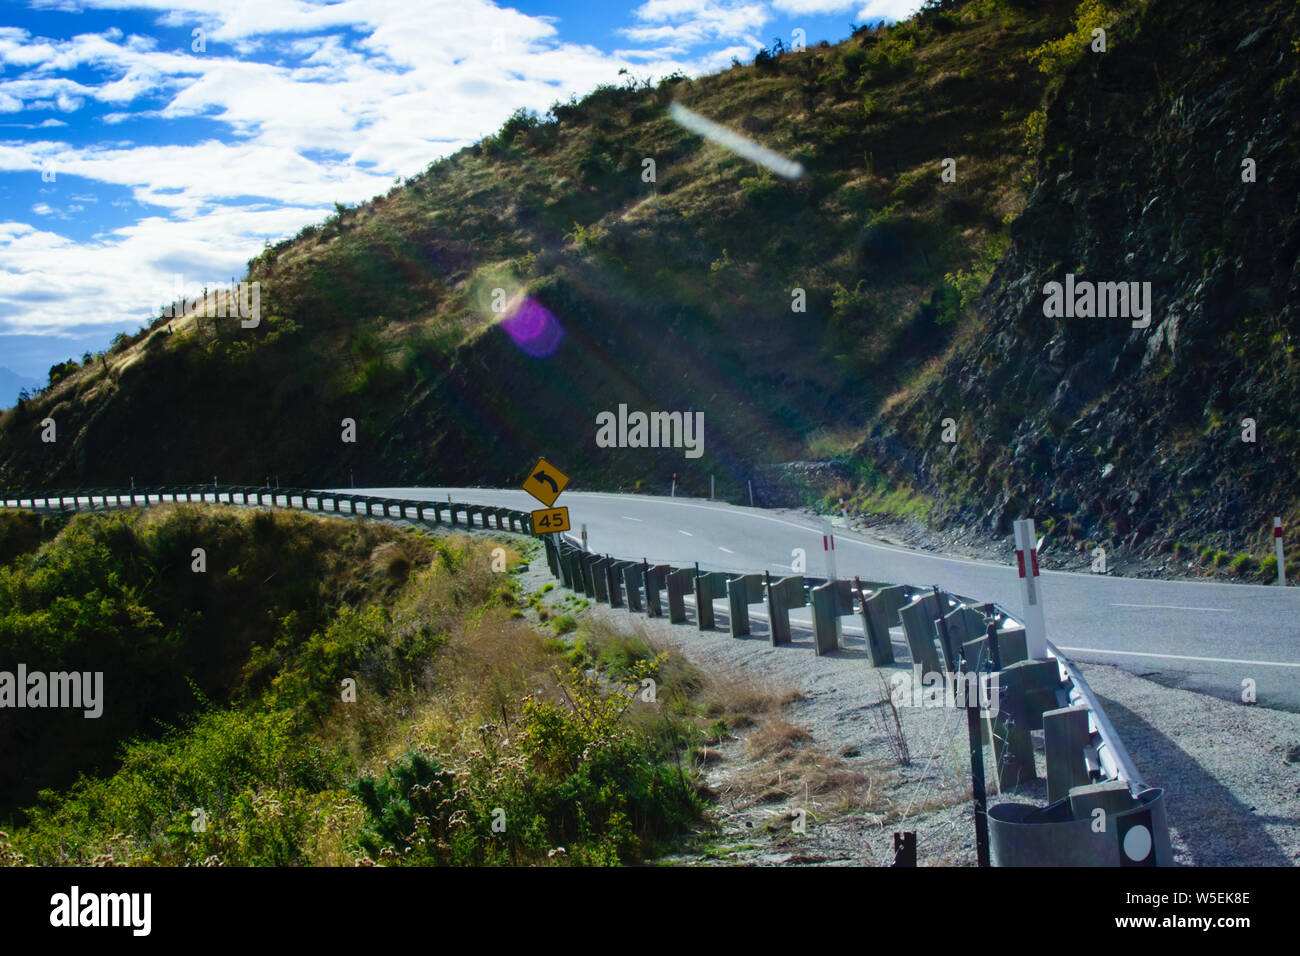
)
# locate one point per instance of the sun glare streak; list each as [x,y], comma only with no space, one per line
[736,143]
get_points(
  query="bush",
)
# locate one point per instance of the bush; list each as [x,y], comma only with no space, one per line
[1244,565]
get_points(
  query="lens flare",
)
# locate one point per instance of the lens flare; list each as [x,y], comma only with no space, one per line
[531,326]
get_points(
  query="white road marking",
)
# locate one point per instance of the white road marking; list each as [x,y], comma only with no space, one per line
[1178,607]
[630,518]
[687,533]
[1179,657]
[728,550]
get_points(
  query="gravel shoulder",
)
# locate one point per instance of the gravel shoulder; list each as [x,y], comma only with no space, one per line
[838,794]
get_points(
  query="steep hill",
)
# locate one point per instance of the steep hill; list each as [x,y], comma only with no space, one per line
[925,297]
[671,295]
[1137,436]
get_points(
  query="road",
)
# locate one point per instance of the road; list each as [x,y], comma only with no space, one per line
[1201,636]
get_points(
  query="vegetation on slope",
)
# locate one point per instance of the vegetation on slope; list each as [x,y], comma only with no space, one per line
[1138,438]
[230,733]
[675,294]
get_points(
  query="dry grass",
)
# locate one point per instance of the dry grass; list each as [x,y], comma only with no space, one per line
[741,697]
[787,765]
[776,738]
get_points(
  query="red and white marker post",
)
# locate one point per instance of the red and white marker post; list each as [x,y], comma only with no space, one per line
[1031,589]
[584,537]
[828,548]
[1277,540]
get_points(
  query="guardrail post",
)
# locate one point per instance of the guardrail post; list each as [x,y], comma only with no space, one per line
[614,581]
[781,596]
[569,574]
[1028,688]
[655,580]
[829,601]
[633,579]
[918,627]
[962,624]
[742,591]
[708,587]
[879,614]
[679,582]
[599,577]
[585,559]
[1065,734]
[1010,647]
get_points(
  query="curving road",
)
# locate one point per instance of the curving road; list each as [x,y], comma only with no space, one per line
[1208,637]
[1202,636]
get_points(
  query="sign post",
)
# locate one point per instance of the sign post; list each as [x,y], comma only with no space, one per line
[545,482]
[1031,589]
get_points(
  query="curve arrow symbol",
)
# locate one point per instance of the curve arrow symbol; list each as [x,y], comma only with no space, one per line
[543,476]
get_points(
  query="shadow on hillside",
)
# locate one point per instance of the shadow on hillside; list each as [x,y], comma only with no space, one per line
[1216,827]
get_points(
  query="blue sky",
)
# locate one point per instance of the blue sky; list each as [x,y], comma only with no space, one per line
[144,139]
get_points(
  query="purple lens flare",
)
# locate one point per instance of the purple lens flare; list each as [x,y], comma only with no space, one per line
[533,328]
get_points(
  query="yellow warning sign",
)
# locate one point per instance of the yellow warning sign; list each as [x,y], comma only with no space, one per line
[545,482]
[550,520]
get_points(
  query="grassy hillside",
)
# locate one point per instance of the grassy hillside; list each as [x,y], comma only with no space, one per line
[923,292]
[670,295]
[230,735]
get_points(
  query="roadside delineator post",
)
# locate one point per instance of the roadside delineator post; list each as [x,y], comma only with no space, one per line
[1277,540]
[674,494]
[1031,589]
[584,537]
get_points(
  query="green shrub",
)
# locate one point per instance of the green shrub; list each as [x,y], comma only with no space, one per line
[1244,565]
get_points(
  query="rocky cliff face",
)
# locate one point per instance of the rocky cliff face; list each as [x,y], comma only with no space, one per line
[1134,436]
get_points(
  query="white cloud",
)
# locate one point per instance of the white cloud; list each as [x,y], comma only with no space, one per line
[814,7]
[299,103]
[888,10]
[681,25]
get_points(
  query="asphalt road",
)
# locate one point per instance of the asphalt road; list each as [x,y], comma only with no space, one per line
[1209,637]
[1202,636]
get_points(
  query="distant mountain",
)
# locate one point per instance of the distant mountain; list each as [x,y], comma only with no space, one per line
[11,383]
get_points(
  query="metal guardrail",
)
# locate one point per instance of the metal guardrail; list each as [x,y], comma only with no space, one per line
[1105,779]
[505,519]
[1056,834]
